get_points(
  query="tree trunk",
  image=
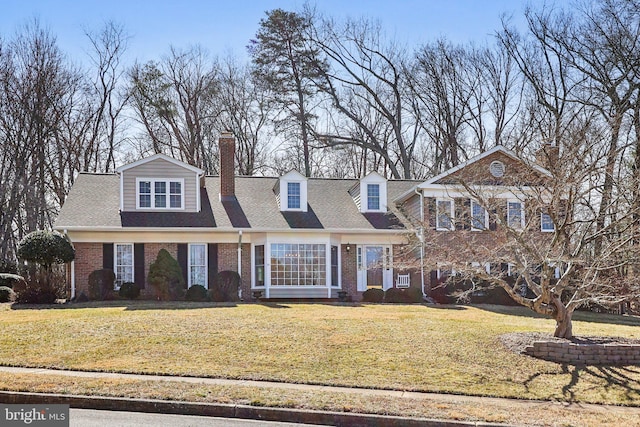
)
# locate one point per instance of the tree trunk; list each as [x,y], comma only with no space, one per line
[564,327]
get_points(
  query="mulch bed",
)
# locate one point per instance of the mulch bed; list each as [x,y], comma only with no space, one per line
[518,341]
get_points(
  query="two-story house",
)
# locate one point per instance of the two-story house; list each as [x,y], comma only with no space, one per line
[288,236]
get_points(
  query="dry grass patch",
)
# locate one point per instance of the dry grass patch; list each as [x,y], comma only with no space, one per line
[445,407]
[407,347]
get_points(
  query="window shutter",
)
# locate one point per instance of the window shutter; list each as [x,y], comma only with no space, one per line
[493,214]
[182,260]
[462,209]
[139,264]
[107,256]
[431,211]
[212,263]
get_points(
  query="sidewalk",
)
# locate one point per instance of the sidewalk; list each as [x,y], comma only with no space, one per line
[263,413]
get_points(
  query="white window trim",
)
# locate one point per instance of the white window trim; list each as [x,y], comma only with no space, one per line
[168,181]
[293,176]
[206,262]
[289,208]
[522,212]
[451,215]
[115,263]
[368,198]
[546,230]
[486,216]
[375,179]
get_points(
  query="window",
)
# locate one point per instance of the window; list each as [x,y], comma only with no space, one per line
[515,215]
[334,266]
[546,223]
[293,195]
[444,215]
[160,193]
[373,197]
[259,263]
[144,187]
[198,265]
[294,264]
[123,264]
[479,218]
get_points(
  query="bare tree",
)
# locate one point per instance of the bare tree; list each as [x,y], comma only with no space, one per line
[366,86]
[175,100]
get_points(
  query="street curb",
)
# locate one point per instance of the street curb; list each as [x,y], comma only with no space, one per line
[231,411]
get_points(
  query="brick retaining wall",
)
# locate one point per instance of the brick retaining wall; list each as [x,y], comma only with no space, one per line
[585,354]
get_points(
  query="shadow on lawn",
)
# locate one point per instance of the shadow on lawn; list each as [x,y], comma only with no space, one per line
[626,378]
[579,316]
[127,305]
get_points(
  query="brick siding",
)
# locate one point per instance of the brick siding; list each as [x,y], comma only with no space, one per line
[88,259]
[349,272]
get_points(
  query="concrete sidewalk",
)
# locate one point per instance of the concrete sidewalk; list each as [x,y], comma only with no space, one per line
[262,413]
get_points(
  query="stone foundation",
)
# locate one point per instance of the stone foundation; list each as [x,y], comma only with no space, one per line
[585,354]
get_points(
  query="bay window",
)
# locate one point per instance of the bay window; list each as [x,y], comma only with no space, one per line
[297,264]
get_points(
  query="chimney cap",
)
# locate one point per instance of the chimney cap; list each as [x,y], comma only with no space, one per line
[227,133]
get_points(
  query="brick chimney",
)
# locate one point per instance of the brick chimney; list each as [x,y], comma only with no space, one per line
[547,155]
[227,147]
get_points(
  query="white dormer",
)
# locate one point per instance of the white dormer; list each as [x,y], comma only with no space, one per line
[293,192]
[373,193]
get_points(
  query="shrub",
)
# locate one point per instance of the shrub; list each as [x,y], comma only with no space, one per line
[7,271]
[165,275]
[7,294]
[40,286]
[129,290]
[413,294]
[373,295]
[225,287]
[101,284]
[395,295]
[46,248]
[197,293]
[82,297]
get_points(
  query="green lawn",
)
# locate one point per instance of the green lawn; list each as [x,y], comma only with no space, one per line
[409,347]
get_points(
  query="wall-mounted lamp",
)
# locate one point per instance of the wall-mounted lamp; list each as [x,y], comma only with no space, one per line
[348,248]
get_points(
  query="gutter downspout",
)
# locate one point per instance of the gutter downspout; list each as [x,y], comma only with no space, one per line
[421,238]
[240,262]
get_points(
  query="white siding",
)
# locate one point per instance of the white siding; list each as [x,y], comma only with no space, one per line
[160,169]
[301,292]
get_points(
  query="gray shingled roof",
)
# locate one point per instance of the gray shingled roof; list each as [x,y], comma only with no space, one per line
[94,202]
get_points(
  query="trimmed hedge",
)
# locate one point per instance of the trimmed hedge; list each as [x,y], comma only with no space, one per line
[101,284]
[129,290]
[373,295]
[197,293]
[225,287]
[165,275]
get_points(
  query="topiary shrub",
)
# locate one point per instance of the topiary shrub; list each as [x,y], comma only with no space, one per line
[225,287]
[7,294]
[165,275]
[129,290]
[197,293]
[101,283]
[373,295]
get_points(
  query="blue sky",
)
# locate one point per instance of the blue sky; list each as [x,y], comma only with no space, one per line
[223,26]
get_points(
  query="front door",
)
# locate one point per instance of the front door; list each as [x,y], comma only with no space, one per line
[374,269]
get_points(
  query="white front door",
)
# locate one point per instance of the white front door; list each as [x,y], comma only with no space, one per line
[374,267]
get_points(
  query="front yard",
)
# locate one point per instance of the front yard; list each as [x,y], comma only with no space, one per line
[450,349]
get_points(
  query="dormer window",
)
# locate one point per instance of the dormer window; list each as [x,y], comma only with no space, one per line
[155,193]
[373,197]
[293,195]
[370,195]
[292,192]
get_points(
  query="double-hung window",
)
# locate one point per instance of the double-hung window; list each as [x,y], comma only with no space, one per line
[293,195]
[373,197]
[546,223]
[160,193]
[479,217]
[198,264]
[515,214]
[444,215]
[123,264]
